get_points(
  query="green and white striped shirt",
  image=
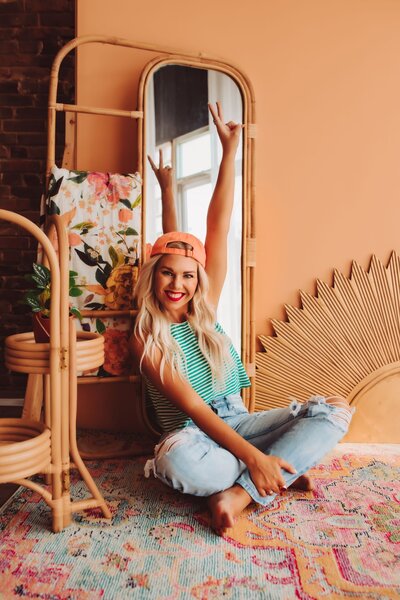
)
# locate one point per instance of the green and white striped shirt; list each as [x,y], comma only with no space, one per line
[168,416]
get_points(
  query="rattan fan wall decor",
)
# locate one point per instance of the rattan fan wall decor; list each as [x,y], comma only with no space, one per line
[345,341]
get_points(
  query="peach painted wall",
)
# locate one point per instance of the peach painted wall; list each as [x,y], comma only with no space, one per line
[327,85]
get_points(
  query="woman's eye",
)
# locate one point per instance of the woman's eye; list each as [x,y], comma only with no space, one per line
[189,276]
[168,273]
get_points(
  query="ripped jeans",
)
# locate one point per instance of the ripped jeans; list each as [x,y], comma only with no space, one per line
[191,462]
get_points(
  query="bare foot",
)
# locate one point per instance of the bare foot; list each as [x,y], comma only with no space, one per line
[226,506]
[304,482]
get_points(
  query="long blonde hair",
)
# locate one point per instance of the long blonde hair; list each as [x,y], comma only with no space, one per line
[152,327]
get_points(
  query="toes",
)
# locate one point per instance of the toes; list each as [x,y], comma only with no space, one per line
[227,521]
[222,521]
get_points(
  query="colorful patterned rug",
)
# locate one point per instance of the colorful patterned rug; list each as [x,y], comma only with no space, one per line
[340,541]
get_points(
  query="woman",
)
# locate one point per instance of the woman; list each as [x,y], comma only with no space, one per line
[211,445]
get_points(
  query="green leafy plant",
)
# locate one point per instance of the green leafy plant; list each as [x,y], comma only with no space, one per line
[38,298]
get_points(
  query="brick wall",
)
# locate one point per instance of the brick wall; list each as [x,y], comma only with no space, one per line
[31,33]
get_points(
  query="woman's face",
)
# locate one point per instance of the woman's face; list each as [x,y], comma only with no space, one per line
[175,283]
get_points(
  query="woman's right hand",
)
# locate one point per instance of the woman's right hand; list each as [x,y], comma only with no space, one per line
[163,174]
[266,472]
[228,133]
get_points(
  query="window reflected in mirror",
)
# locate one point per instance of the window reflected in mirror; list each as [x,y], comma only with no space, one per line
[178,123]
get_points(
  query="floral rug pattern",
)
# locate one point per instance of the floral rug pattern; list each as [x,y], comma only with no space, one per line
[102,214]
[340,541]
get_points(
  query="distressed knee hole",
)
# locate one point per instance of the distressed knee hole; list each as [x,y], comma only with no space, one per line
[295,407]
[335,408]
[342,411]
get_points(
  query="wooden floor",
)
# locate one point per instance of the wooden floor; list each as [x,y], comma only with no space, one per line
[7,489]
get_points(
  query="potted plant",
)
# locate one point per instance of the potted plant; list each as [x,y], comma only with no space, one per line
[38,298]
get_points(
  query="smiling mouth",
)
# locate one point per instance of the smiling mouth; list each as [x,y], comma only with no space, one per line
[174,296]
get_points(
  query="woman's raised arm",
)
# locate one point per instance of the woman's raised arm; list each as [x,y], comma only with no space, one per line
[221,204]
[165,179]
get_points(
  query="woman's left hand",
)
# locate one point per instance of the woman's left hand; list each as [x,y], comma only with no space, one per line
[228,133]
[164,174]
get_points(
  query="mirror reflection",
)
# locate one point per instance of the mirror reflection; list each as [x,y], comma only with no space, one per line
[179,124]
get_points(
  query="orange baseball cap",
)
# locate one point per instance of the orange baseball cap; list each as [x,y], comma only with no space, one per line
[197,250]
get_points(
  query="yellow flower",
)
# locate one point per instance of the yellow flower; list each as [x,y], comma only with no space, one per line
[120,286]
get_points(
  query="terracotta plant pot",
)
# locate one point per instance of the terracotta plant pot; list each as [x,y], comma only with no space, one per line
[41,328]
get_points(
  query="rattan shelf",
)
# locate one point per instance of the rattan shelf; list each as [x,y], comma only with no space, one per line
[30,446]
[24,355]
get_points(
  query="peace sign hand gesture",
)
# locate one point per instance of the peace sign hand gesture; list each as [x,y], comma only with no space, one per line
[228,133]
[163,174]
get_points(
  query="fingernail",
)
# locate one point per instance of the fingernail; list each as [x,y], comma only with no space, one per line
[284,488]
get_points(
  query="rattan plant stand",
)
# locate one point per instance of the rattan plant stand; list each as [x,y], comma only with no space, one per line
[30,446]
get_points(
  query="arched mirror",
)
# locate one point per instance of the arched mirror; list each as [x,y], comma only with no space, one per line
[178,122]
